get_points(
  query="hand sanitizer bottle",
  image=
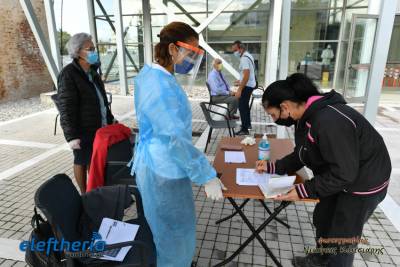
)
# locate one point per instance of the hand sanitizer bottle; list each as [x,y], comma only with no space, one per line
[264,148]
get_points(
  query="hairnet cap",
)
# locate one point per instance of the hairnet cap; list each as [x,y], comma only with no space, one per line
[76,43]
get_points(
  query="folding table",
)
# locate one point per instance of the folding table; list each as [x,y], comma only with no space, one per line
[227,174]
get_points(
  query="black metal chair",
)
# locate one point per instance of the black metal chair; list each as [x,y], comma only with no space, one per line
[60,202]
[109,99]
[118,156]
[54,98]
[256,94]
[224,123]
[209,92]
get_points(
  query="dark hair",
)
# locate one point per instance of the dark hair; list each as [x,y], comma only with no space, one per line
[297,88]
[172,33]
[239,44]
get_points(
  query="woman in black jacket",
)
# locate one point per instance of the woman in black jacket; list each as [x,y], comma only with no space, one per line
[348,157]
[82,103]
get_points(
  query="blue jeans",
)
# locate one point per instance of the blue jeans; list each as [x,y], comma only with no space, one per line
[244,107]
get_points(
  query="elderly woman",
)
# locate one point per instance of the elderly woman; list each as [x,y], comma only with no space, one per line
[82,103]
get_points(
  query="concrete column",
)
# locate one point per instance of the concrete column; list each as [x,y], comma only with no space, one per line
[274,29]
[119,38]
[52,29]
[285,38]
[148,48]
[379,57]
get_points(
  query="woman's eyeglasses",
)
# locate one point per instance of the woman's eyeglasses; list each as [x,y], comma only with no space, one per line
[91,49]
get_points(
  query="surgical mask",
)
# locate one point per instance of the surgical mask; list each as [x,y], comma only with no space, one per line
[219,67]
[185,67]
[236,54]
[92,57]
[289,121]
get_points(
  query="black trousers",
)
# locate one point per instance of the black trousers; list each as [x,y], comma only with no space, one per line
[244,107]
[343,216]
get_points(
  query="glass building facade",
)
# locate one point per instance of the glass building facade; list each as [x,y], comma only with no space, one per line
[315,25]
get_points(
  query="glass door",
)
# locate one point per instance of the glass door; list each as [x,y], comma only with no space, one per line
[359,55]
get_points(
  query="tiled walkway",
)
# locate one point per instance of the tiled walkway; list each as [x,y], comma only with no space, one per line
[24,166]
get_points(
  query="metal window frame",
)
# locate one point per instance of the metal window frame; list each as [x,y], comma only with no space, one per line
[349,54]
[40,39]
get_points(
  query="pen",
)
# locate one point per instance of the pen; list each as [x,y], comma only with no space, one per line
[109,229]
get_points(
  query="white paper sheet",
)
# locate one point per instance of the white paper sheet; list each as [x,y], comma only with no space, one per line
[250,177]
[113,231]
[276,186]
[235,157]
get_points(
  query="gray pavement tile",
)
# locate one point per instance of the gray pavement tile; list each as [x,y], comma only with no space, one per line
[295,239]
[359,263]
[286,254]
[393,251]
[386,242]
[245,258]
[384,259]
[20,264]
[8,263]
[396,260]
[259,260]
[285,246]
[372,264]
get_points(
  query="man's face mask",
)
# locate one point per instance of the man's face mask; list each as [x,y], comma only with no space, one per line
[236,54]
[289,121]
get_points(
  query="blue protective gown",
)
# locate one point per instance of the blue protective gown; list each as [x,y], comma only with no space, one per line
[165,163]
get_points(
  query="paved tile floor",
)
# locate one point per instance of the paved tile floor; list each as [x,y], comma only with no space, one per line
[23,168]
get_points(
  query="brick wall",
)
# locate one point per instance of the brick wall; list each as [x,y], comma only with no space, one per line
[23,72]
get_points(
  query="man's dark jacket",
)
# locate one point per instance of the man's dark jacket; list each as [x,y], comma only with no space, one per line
[78,102]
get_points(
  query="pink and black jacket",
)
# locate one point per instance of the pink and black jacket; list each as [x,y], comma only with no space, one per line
[344,151]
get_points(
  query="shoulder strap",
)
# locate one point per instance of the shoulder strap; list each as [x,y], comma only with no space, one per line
[254,67]
[36,219]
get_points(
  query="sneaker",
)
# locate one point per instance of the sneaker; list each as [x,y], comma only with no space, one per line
[311,260]
[242,132]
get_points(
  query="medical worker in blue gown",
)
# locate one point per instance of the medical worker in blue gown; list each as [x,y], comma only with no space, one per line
[165,161]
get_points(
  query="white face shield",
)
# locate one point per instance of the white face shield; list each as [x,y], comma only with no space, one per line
[187,63]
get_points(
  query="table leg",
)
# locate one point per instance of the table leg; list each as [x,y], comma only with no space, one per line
[269,212]
[255,232]
[234,213]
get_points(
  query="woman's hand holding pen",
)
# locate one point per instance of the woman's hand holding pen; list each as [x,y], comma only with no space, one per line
[265,166]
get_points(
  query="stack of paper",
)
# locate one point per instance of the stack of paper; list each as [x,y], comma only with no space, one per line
[112,232]
[235,157]
[251,177]
[277,186]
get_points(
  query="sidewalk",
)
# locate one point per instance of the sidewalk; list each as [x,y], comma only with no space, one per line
[30,154]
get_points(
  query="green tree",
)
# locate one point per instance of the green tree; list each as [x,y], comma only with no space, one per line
[65,38]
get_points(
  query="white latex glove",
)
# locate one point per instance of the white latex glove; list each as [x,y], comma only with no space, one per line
[75,144]
[214,189]
[248,141]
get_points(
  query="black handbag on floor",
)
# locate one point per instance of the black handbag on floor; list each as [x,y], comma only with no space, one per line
[42,231]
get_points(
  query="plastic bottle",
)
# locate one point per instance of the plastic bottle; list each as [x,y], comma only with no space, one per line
[264,148]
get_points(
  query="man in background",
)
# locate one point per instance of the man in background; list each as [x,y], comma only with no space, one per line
[246,84]
[220,90]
